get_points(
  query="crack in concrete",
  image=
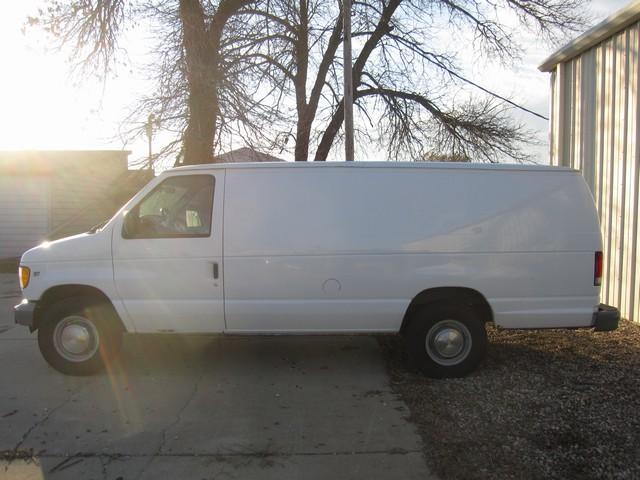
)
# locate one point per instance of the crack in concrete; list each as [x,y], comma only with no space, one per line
[106,460]
[42,420]
[66,463]
[110,457]
[177,419]
[103,468]
[194,392]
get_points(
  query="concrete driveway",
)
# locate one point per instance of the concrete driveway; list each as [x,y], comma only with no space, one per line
[204,408]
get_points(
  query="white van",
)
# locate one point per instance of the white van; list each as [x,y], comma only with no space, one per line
[431,251]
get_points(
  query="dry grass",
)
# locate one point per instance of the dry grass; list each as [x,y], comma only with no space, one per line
[545,404]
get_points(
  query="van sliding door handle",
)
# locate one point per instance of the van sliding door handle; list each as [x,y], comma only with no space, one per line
[215,270]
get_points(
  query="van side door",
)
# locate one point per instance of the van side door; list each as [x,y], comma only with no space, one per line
[167,256]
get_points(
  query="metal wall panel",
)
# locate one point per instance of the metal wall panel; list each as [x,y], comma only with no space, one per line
[24,213]
[595,105]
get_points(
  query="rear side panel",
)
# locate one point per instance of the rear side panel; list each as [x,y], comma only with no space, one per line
[340,250]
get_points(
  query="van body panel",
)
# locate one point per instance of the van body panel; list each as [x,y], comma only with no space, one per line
[83,259]
[334,290]
[168,284]
[339,248]
[311,249]
[353,211]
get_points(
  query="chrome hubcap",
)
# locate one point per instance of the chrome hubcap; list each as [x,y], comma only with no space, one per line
[448,342]
[75,339]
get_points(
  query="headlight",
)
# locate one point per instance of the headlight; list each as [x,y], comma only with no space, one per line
[25,274]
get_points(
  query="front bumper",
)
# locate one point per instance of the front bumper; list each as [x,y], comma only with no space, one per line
[24,314]
[606,318]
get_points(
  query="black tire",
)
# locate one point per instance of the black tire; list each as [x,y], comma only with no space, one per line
[88,326]
[433,340]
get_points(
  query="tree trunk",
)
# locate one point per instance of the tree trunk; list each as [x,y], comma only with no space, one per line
[303,128]
[322,152]
[201,42]
[303,135]
[200,132]
[198,137]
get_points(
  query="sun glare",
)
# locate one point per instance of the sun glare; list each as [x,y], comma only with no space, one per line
[35,106]
[43,106]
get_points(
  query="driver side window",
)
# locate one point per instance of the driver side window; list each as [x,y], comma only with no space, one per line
[180,206]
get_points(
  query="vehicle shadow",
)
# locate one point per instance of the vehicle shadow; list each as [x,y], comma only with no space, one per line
[177,354]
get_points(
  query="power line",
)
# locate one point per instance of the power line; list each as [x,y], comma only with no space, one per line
[486,90]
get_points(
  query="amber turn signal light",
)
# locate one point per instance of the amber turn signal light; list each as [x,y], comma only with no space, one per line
[25,274]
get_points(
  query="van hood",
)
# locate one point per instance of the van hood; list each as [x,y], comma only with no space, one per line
[85,246]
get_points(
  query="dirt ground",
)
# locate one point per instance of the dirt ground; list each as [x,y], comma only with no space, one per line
[545,404]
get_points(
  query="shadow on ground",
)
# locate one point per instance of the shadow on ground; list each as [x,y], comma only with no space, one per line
[207,407]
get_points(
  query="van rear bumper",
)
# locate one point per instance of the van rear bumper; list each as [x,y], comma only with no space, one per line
[606,318]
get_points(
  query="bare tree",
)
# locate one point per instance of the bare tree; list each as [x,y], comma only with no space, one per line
[401,79]
[189,35]
[267,71]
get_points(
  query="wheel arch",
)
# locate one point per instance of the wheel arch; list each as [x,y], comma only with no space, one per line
[468,296]
[60,292]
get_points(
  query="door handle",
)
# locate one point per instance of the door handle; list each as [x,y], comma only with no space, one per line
[215,270]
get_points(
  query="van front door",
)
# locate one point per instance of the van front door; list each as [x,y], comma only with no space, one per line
[167,256]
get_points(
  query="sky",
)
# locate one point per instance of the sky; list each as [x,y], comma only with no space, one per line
[45,107]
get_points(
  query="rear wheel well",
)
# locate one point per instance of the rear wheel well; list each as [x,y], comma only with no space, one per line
[59,292]
[467,296]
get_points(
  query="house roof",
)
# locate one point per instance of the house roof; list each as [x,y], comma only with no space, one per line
[605,29]
[246,154]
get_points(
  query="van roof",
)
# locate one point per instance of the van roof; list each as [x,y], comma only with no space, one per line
[391,165]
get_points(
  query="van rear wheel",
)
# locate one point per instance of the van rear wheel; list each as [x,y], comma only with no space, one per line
[446,339]
[79,335]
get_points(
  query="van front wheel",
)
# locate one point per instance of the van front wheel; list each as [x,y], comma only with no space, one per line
[78,335]
[446,340]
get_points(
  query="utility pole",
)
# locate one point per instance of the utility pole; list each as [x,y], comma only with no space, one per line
[149,132]
[348,82]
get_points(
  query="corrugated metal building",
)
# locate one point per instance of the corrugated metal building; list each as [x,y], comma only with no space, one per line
[595,128]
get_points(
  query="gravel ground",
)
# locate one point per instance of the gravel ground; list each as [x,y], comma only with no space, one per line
[545,404]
